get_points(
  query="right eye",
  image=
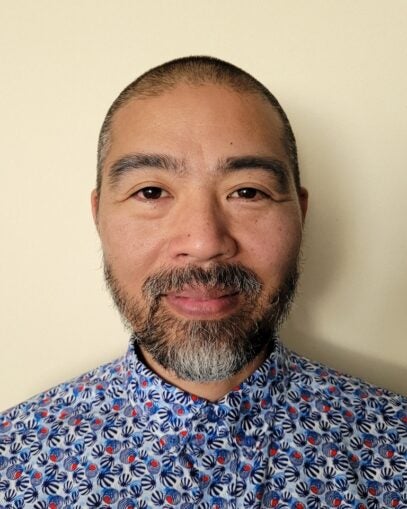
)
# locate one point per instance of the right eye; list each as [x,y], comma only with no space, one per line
[150,193]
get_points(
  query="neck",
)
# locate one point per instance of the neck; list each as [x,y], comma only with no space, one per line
[211,391]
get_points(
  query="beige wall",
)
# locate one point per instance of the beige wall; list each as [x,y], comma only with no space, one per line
[339,68]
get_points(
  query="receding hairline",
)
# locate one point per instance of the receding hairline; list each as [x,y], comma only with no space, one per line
[131,102]
[193,71]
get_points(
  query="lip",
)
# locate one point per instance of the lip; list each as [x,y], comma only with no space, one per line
[202,303]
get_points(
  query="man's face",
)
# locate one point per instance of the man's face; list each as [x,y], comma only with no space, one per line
[200,224]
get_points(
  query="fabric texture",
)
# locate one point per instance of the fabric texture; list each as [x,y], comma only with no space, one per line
[295,434]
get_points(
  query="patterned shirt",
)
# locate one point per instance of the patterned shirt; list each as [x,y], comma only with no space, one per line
[295,434]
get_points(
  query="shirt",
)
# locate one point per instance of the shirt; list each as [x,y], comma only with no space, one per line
[295,434]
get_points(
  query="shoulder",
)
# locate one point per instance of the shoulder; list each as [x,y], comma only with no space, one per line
[51,443]
[356,401]
[33,420]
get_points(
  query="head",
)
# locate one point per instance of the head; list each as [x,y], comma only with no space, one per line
[195,71]
[199,208]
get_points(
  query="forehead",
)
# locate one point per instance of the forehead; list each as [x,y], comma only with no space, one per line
[206,121]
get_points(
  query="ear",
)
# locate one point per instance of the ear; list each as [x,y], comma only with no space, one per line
[303,199]
[94,200]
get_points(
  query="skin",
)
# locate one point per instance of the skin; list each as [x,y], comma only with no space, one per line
[202,215]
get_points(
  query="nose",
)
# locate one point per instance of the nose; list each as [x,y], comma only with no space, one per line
[200,233]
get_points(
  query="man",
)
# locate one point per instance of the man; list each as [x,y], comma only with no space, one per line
[200,209]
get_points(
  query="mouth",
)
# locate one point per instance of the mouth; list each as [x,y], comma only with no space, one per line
[202,303]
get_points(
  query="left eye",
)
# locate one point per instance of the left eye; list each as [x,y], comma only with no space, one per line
[249,193]
[150,193]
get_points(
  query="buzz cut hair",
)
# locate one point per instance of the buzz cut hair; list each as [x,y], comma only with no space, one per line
[193,70]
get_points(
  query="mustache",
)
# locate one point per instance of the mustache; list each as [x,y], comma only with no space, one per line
[225,277]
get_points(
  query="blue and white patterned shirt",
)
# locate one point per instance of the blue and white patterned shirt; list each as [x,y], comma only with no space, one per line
[295,435]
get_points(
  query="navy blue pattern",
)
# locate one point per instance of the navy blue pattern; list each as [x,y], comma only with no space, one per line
[294,435]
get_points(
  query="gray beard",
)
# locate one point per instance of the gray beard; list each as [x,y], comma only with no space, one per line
[204,350]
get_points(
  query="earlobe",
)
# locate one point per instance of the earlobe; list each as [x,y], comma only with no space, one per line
[94,199]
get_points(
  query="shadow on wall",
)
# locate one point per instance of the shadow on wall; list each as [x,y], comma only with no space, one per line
[326,253]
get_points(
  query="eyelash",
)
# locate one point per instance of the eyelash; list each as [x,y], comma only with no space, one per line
[258,194]
[144,189]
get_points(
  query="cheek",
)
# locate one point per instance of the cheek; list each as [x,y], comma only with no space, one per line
[130,248]
[273,248]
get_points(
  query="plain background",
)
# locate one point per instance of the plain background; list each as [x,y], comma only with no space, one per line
[338,68]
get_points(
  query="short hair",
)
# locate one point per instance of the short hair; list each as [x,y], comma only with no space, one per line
[193,70]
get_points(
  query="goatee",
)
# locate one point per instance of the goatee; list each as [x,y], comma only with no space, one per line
[204,350]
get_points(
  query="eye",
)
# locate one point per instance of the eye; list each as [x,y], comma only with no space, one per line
[150,193]
[249,193]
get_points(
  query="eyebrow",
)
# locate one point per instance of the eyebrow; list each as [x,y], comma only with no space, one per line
[275,166]
[130,162]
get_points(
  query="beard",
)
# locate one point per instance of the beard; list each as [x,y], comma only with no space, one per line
[204,350]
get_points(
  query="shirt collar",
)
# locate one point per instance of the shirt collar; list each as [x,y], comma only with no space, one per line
[170,408]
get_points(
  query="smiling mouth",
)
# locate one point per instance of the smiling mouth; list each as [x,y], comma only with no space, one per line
[202,303]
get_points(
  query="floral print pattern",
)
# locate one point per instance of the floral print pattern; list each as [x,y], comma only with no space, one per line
[294,435]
